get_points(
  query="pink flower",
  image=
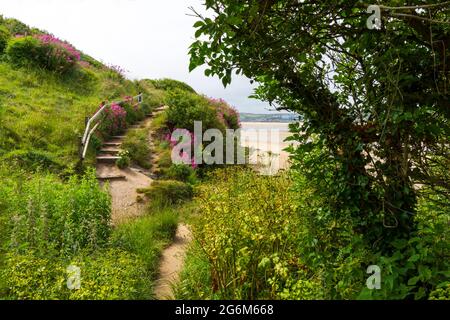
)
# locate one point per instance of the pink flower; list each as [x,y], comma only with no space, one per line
[60,49]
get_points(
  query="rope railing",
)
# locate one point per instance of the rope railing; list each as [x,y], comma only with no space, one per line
[90,127]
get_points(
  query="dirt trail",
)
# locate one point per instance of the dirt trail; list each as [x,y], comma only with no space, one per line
[172,262]
[123,185]
[127,204]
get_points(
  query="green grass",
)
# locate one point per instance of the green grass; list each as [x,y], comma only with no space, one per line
[168,193]
[41,111]
[195,279]
[146,237]
[42,119]
[136,142]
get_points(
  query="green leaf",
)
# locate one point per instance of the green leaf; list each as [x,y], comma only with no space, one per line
[198,33]
[199,24]
[413,281]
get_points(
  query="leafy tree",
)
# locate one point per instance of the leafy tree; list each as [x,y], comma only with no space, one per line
[375,102]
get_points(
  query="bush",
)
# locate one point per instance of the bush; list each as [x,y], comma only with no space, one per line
[419,267]
[4,37]
[51,217]
[108,275]
[114,121]
[26,51]
[43,51]
[186,107]
[16,27]
[181,172]
[227,115]
[248,231]
[124,160]
[137,144]
[133,110]
[168,192]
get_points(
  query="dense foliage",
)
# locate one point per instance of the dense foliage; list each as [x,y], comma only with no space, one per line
[274,238]
[136,143]
[4,37]
[43,51]
[168,192]
[374,140]
[51,217]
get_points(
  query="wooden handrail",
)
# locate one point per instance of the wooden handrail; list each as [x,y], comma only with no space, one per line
[88,131]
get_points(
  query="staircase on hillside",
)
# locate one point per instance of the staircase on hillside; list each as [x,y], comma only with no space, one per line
[109,154]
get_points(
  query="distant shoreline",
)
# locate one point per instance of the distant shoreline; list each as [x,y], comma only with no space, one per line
[268,121]
[269,118]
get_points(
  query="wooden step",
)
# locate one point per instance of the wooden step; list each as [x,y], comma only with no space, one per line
[119,137]
[110,151]
[112,177]
[112,144]
[107,159]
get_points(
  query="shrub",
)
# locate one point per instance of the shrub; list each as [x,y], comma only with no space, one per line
[16,27]
[248,231]
[111,274]
[43,51]
[108,275]
[4,37]
[26,51]
[419,267]
[168,192]
[137,144]
[124,160]
[49,216]
[133,110]
[114,122]
[186,107]
[181,172]
[227,115]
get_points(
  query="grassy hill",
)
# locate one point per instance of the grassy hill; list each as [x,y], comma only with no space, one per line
[52,216]
[44,111]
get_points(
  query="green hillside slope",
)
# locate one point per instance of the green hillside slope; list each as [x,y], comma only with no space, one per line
[52,216]
[44,111]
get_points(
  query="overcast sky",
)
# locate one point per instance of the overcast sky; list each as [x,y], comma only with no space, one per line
[149,38]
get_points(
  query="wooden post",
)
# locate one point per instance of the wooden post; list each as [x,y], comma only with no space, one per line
[86,120]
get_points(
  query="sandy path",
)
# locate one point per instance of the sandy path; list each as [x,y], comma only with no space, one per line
[125,204]
[172,262]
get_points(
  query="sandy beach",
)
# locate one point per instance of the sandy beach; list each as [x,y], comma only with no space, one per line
[267,142]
